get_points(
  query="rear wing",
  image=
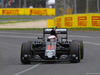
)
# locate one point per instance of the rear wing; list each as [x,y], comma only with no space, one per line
[58,31]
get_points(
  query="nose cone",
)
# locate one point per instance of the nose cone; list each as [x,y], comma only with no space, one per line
[50,50]
[50,53]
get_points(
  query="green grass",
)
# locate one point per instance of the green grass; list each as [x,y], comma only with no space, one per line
[21,28]
[85,29]
[13,18]
[7,22]
[70,29]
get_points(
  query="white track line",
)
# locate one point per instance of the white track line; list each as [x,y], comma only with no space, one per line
[83,36]
[41,34]
[17,36]
[97,44]
[28,69]
[10,44]
[14,36]
[92,73]
[25,69]
[19,33]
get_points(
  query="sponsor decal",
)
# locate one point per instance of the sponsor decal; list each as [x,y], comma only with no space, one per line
[61,29]
[10,12]
[48,30]
[69,11]
[38,12]
[57,30]
[50,47]
[96,21]
[58,22]
[51,36]
[68,21]
[82,21]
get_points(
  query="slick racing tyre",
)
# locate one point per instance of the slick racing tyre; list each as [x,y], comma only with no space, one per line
[75,52]
[81,47]
[25,51]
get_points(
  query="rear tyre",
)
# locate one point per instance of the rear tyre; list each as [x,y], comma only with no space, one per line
[26,50]
[81,47]
[75,52]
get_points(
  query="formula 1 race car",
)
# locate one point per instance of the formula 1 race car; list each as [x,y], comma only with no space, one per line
[56,48]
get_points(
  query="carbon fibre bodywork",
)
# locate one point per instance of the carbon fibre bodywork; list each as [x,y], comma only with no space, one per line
[51,50]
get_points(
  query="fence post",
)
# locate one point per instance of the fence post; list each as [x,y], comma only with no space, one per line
[56,7]
[2,5]
[87,5]
[75,7]
[25,4]
[19,3]
[98,5]
[64,6]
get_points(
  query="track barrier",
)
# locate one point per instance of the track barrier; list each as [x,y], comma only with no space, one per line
[28,11]
[76,21]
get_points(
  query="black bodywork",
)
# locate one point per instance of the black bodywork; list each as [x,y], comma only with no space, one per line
[61,47]
[60,50]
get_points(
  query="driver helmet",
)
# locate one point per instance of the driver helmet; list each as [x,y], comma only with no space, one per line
[53,32]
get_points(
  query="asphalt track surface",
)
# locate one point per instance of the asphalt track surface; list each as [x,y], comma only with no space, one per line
[10,42]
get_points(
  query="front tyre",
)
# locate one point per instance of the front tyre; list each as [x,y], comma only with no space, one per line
[75,52]
[81,47]
[25,53]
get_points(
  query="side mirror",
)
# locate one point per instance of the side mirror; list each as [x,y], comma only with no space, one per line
[40,38]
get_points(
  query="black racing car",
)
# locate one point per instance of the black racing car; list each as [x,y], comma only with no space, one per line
[50,49]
